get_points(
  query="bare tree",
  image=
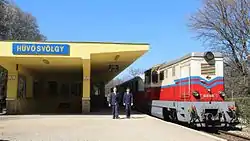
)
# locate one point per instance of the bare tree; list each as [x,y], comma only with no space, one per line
[17,25]
[111,84]
[225,26]
[135,71]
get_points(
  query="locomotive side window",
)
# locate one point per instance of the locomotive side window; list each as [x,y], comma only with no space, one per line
[162,75]
[148,77]
[207,69]
[154,77]
[173,71]
[136,86]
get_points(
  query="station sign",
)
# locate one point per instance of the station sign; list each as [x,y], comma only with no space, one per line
[86,78]
[40,49]
[11,77]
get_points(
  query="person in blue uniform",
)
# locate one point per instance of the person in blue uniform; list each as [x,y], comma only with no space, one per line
[128,102]
[114,102]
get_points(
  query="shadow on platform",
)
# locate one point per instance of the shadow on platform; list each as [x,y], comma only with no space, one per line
[101,111]
[108,111]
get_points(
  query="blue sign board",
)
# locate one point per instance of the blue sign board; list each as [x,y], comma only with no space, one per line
[40,49]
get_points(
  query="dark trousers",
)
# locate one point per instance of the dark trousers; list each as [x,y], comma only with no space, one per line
[128,109]
[115,111]
[1,105]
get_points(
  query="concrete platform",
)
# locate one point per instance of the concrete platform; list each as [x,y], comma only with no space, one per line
[94,128]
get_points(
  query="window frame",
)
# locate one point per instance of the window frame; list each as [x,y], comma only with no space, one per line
[166,73]
[162,75]
[173,70]
[155,77]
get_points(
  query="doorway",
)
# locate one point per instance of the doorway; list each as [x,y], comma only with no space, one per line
[3,89]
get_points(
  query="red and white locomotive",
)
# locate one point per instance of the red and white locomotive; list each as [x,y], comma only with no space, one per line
[189,89]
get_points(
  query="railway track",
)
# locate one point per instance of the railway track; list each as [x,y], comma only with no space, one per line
[219,133]
[231,136]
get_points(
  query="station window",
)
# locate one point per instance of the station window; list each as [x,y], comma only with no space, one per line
[173,71]
[79,88]
[96,90]
[65,90]
[21,87]
[166,73]
[154,77]
[162,75]
[36,89]
[76,89]
[53,88]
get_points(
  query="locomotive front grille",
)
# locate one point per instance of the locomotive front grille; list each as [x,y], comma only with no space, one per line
[207,69]
[211,111]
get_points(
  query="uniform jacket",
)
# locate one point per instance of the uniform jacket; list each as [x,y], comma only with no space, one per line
[114,99]
[128,98]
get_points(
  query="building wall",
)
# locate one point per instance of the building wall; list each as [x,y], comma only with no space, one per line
[83,51]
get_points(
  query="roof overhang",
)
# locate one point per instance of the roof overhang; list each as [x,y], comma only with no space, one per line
[100,54]
[100,63]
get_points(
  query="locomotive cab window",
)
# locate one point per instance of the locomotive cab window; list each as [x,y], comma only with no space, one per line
[162,75]
[154,77]
[147,77]
[173,71]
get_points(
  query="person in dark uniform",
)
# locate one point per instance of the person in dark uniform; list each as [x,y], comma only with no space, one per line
[114,102]
[128,102]
[1,99]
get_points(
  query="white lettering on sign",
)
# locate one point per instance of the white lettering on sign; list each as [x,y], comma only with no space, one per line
[86,78]
[208,95]
[12,77]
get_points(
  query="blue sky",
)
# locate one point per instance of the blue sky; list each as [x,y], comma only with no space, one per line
[161,23]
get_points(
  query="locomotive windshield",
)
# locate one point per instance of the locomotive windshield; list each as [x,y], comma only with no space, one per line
[154,77]
[148,77]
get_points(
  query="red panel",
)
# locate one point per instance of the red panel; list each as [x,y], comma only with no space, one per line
[168,93]
[182,93]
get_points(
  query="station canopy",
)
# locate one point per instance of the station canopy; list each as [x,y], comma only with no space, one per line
[106,59]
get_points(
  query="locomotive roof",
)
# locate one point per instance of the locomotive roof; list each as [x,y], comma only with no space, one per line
[193,54]
[142,77]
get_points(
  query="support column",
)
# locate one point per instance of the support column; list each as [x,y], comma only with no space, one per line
[86,86]
[12,85]
[102,94]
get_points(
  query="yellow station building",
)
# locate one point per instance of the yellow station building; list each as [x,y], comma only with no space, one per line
[52,77]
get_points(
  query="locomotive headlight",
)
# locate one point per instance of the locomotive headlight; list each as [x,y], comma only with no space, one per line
[232,108]
[196,93]
[209,56]
[209,90]
[222,94]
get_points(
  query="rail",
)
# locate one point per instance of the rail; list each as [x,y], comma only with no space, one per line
[234,137]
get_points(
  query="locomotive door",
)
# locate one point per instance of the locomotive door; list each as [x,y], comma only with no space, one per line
[185,83]
[3,88]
